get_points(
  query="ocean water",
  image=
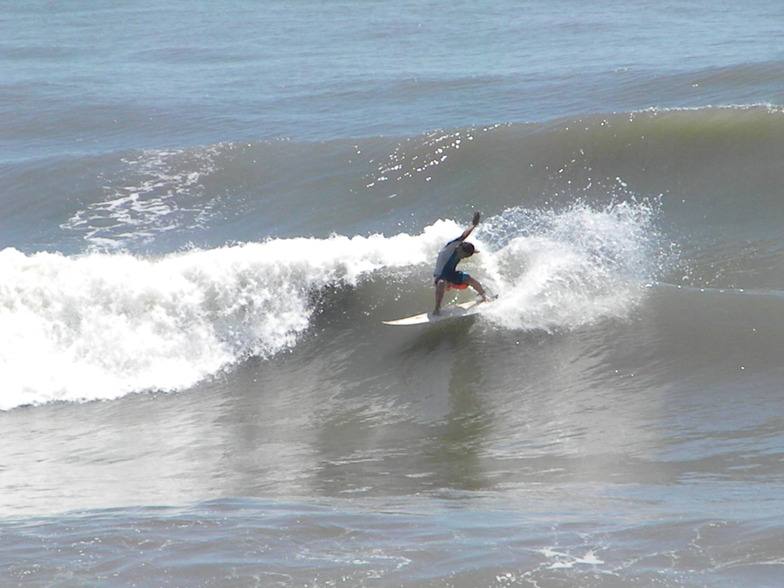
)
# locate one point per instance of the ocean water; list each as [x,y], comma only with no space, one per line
[208,209]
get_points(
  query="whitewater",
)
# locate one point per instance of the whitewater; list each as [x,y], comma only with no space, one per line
[207,211]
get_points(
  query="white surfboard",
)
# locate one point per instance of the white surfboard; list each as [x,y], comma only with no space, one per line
[457,311]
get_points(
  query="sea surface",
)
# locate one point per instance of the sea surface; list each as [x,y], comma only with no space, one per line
[207,209]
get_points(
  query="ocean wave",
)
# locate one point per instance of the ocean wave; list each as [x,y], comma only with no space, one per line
[110,324]
[582,215]
[709,166]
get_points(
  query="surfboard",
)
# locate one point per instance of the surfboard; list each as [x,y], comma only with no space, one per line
[461,310]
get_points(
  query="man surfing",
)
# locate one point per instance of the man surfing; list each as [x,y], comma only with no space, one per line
[446,275]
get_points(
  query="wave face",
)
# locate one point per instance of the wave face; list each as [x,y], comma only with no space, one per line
[582,217]
[710,166]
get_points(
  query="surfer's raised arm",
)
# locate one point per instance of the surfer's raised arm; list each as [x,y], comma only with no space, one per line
[474,222]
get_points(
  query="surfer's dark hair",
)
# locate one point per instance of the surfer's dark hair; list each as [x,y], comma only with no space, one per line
[468,248]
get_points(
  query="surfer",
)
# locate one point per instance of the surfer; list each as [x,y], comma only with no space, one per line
[446,275]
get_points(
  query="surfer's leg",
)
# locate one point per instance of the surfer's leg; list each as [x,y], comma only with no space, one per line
[440,289]
[474,283]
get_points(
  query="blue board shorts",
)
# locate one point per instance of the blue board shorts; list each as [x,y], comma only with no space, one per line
[454,279]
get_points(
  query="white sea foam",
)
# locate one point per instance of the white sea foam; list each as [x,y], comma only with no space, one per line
[569,268]
[102,325]
[162,192]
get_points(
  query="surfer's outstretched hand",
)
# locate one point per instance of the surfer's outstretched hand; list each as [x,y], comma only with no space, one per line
[477,216]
